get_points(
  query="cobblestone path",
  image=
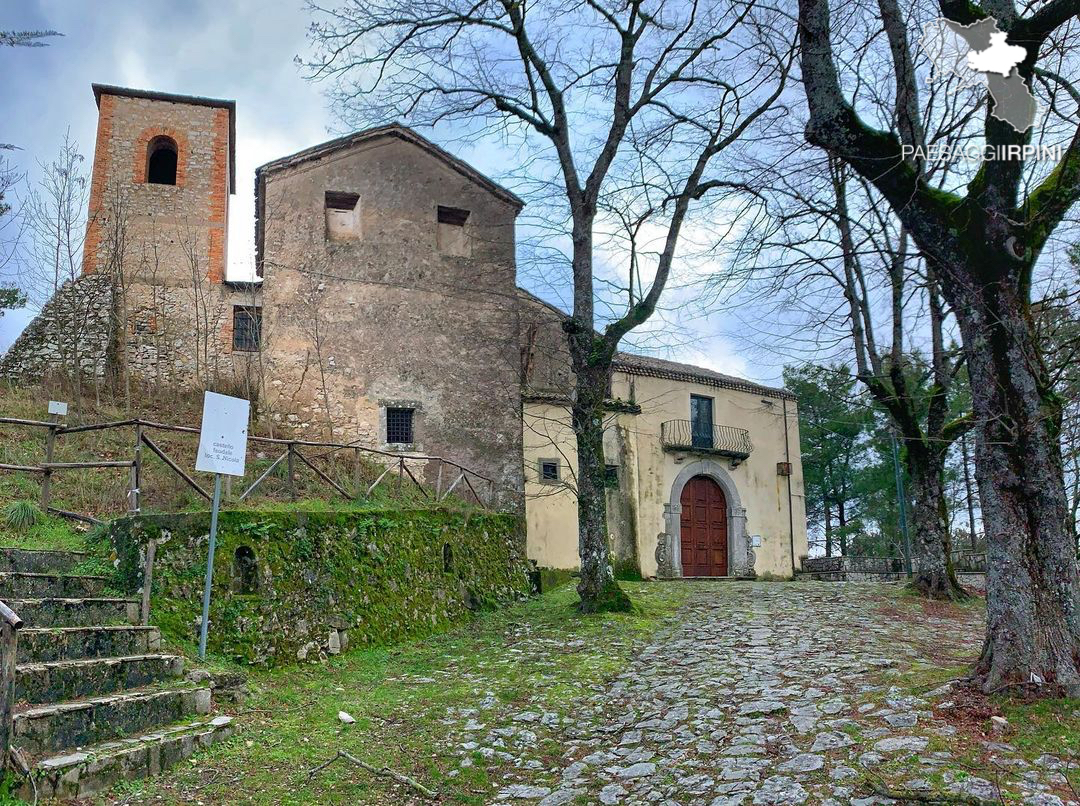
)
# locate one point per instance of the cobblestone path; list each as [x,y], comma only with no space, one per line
[769,693]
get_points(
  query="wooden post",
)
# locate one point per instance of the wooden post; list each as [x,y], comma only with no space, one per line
[356,474]
[290,471]
[400,476]
[9,647]
[136,472]
[147,582]
[438,481]
[46,477]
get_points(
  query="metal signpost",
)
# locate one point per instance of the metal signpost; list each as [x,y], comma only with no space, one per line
[222,451]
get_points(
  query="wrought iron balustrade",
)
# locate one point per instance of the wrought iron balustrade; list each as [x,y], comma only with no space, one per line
[725,440]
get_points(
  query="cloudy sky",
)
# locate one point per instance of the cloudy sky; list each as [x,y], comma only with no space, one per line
[237,49]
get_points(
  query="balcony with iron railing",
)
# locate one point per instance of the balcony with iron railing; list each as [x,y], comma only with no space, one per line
[720,440]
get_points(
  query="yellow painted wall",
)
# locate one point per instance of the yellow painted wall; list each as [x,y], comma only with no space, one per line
[551,513]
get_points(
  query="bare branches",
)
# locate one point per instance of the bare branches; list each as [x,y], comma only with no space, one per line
[384,772]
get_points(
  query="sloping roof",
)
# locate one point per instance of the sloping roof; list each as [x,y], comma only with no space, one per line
[660,368]
[193,100]
[403,133]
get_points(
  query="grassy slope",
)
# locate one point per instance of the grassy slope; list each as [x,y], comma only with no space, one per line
[102,493]
[528,655]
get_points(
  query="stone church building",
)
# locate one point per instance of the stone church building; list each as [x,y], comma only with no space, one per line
[387,312]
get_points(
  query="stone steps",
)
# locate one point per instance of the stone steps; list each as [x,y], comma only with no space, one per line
[97,702]
[40,561]
[76,612]
[82,773]
[36,585]
[45,644]
[47,729]
[57,681]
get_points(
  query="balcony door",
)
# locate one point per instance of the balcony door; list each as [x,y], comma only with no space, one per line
[701,421]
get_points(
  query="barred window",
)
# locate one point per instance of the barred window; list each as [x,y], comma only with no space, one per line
[549,471]
[399,426]
[247,327]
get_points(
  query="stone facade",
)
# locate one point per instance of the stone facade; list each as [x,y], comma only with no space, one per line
[155,252]
[73,329]
[376,299]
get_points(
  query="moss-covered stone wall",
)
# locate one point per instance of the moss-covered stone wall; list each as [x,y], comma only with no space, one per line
[297,586]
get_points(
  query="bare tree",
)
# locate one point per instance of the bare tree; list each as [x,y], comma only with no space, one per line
[982,243]
[26,39]
[51,260]
[629,107]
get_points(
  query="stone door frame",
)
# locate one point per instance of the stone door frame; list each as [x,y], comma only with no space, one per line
[740,556]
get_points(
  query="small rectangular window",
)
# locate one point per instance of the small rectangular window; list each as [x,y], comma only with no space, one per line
[336,200]
[549,471]
[247,327]
[342,215]
[452,236]
[399,426]
[611,477]
[453,216]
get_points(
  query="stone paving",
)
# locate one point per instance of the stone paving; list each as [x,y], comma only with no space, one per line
[764,693]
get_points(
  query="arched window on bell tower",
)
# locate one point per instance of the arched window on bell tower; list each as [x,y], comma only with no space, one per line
[161,161]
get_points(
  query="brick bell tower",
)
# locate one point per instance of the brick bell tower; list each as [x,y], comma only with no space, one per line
[164,166]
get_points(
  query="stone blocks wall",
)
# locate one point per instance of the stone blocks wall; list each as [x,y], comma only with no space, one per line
[350,326]
[73,329]
[321,582]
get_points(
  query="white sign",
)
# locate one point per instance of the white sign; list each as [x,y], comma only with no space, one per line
[56,407]
[223,438]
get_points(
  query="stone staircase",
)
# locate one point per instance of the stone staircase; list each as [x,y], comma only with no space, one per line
[97,701]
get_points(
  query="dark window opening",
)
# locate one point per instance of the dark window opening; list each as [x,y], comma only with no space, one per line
[454,216]
[447,558]
[549,471]
[399,426]
[701,421]
[245,571]
[611,477]
[336,200]
[161,161]
[247,327]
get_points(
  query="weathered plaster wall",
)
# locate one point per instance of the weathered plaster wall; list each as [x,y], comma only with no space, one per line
[651,472]
[387,318]
[323,581]
[762,491]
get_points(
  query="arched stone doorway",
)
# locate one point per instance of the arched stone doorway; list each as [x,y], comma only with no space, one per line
[740,557]
[703,532]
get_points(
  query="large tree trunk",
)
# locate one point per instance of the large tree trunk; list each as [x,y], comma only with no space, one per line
[934,575]
[598,589]
[1033,585]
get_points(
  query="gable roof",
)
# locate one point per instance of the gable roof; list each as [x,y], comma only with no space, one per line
[191,100]
[660,368]
[402,133]
[634,364]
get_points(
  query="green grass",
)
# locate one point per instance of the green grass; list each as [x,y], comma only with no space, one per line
[50,532]
[538,655]
[102,492]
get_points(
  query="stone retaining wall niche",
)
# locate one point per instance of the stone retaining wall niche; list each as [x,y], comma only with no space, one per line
[299,586]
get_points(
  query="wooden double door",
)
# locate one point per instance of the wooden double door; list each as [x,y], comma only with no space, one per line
[703,529]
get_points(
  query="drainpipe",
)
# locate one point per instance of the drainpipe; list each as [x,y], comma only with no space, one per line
[790,513]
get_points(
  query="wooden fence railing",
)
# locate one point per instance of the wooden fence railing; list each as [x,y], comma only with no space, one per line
[10,624]
[451,477]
